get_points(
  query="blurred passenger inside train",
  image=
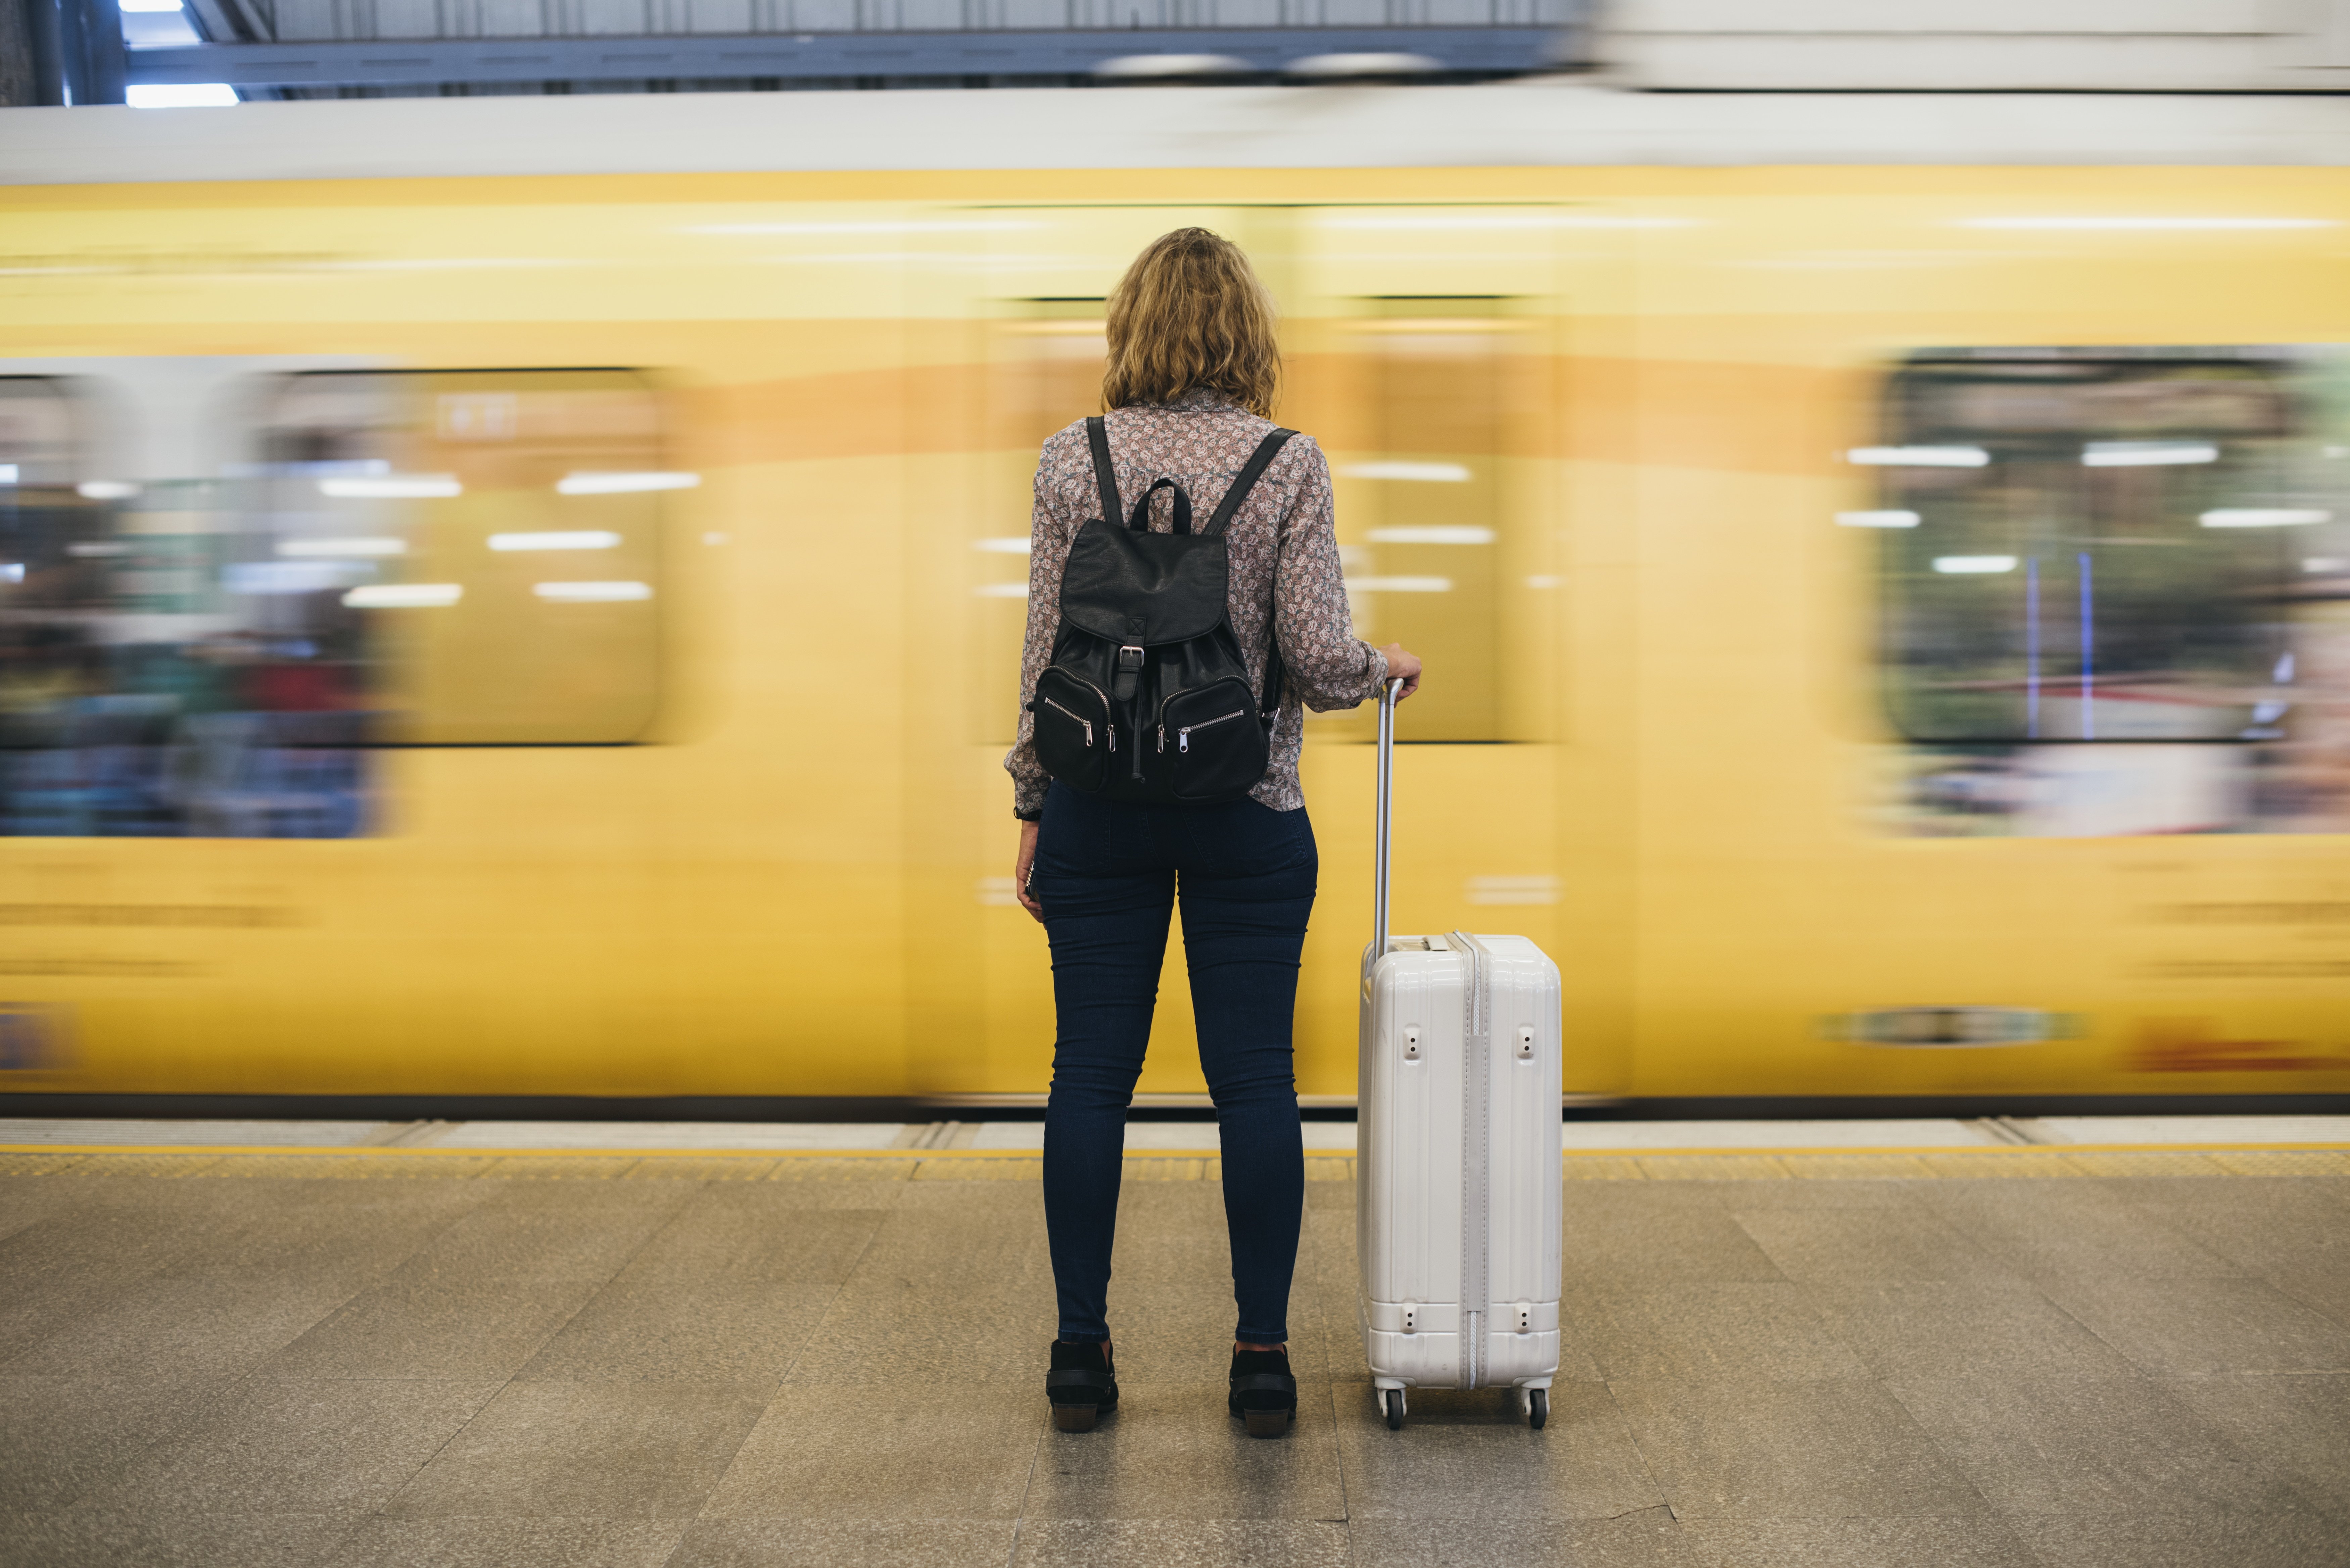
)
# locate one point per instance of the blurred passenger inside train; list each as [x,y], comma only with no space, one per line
[1200,798]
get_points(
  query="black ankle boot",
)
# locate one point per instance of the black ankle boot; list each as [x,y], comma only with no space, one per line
[1263,1393]
[1082,1385]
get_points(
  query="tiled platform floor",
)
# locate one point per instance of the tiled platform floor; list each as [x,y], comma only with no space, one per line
[580,1360]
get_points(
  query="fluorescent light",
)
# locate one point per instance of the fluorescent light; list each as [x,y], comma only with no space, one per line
[181,95]
[594,483]
[404,596]
[343,548]
[1002,590]
[138,7]
[1437,534]
[2265,517]
[2146,454]
[1009,545]
[1964,565]
[105,490]
[1415,472]
[7,474]
[1876,519]
[12,571]
[98,549]
[1917,456]
[1399,585]
[2143,223]
[591,593]
[394,487]
[580,539]
[2327,563]
[1545,582]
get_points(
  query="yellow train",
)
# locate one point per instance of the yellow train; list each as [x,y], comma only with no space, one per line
[499,628]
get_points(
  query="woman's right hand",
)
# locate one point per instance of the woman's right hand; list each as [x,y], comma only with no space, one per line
[1403,667]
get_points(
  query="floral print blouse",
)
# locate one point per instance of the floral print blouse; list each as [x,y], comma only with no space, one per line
[1284,578]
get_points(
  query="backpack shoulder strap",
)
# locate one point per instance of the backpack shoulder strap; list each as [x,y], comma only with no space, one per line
[1251,471]
[1097,433]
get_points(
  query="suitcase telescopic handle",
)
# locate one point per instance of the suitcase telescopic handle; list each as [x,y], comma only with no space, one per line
[1384,819]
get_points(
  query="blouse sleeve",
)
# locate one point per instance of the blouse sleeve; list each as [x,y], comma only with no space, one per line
[1048,554]
[1325,662]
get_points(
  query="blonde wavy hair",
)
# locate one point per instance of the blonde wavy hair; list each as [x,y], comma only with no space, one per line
[1190,312]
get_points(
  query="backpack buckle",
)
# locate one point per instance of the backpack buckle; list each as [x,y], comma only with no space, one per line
[1130,659]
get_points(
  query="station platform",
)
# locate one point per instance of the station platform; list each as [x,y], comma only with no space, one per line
[2113,1343]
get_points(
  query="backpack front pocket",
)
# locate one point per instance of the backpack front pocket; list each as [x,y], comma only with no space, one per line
[1211,743]
[1075,737]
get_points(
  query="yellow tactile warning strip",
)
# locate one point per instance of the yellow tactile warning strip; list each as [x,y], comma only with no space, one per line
[1158,1165]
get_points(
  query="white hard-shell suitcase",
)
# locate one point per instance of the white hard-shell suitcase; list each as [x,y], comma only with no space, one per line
[1458,1160]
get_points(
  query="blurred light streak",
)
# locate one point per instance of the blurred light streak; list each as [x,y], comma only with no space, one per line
[404,596]
[2031,649]
[394,487]
[1437,533]
[2265,517]
[2327,563]
[1968,565]
[592,593]
[2088,650]
[138,6]
[1410,473]
[1399,585]
[1917,456]
[2146,454]
[105,490]
[181,95]
[265,577]
[343,548]
[914,226]
[594,483]
[581,539]
[1510,221]
[1158,67]
[7,474]
[1876,519]
[2117,222]
[1010,545]
[12,571]
[1512,889]
[1002,590]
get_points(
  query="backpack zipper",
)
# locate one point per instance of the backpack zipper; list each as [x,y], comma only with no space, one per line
[1089,723]
[1183,735]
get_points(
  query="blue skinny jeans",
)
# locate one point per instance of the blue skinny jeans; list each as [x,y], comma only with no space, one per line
[1107,873]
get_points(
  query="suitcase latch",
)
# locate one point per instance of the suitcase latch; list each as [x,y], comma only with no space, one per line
[1525,1042]
[1410,1317]
[1411,1043]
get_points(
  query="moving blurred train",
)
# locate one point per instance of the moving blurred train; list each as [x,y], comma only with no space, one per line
[541,619]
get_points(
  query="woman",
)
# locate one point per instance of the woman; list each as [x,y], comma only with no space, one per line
[1192,371]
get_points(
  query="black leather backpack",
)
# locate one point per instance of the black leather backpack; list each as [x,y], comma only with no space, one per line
[1147,698]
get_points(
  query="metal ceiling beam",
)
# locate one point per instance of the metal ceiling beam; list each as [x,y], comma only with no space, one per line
[817,56]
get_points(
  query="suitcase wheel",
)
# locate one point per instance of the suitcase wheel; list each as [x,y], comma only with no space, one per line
[1537,1407]
[1391,1399]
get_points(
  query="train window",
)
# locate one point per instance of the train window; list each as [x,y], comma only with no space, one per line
[2094,546]
[465,557]
[491,538]
[1422,513]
